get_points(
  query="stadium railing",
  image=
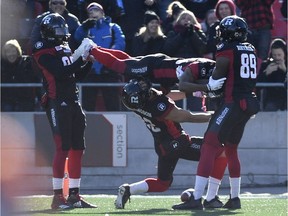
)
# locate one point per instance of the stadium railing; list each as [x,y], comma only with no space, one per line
[81,85]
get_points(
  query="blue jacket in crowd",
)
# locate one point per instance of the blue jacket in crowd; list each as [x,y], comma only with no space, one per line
[105,34]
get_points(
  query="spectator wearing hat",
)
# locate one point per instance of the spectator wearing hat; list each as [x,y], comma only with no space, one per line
[223,9]
[133,18]
[56,6]
[102,31]
[150,38]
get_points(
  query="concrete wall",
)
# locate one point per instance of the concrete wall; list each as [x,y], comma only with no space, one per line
[263,154]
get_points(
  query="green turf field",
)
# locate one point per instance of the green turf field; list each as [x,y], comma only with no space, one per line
[152,205]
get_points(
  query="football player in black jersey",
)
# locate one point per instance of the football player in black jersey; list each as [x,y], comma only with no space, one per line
[159,68]
[236,60]
[66,117]
[162,118]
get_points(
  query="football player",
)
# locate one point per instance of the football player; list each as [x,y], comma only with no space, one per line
[64,112]
[162,118]
[236,60]
[159,68]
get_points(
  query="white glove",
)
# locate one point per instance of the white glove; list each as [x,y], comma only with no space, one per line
[179,71]
[83,49]
[215,84]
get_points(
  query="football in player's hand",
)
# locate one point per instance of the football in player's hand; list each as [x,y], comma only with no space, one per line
[185,195]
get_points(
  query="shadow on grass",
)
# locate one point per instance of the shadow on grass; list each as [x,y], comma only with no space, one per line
[215,212]
[44,211]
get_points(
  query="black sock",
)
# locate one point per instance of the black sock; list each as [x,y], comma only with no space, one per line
[58,192]
[73,191]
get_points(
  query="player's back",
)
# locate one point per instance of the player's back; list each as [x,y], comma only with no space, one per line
[242,74]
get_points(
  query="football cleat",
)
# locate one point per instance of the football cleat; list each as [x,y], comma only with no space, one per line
[78,202]
[123,196]
[214,203]
[83,49]
[60,203]
[233,203]
[189,205]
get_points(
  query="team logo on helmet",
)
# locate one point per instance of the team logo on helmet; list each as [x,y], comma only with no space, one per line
[161,107]
[134,99]
[38,45]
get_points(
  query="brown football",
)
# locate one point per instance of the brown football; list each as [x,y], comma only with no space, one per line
[185,195]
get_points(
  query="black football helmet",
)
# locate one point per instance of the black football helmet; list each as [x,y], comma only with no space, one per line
[135,93]
[54,28]
[233,28]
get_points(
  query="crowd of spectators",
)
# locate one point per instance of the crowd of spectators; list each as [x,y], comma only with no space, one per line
[176,28]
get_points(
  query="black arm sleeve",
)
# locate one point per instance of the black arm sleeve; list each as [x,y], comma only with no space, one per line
[55,66]
[80,74]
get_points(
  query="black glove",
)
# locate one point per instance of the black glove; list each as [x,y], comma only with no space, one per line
[89,23]
[187,31]
[190,28]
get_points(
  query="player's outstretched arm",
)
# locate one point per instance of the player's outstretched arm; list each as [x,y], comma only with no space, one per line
[179,115]
[188,84]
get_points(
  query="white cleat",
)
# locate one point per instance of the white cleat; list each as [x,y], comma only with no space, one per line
[123,196]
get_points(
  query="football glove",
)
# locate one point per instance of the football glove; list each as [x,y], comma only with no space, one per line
[179,71]
[215,84]
[84,48]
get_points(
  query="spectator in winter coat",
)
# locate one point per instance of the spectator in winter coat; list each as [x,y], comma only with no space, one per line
[150,38]
[104,33]
[187,39]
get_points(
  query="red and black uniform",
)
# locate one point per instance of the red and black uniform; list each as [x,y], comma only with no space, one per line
[201,68]
[159,68]
[64,112]
[239,104]
[170,140]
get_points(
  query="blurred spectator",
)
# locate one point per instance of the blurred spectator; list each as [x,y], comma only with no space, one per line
[259,16]
[223,9]
[280,23]
[274,69]
[112,8]
[56,6]
[16,68]
[163,5]
[186,39]
[104,33]
[12,12]
[283,8]
[172,12]
[209,20]
[199,8]
[150,38]
[132,19]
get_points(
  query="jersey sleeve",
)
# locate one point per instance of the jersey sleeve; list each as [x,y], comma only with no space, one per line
[162,106]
